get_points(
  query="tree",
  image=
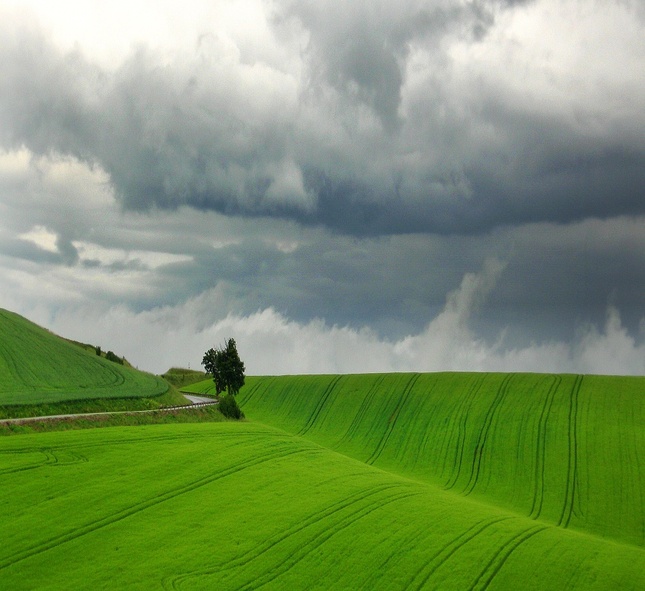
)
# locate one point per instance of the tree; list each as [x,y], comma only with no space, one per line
[226,367]
[213,362]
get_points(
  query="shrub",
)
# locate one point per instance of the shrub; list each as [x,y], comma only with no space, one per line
[229,408]
[110,356]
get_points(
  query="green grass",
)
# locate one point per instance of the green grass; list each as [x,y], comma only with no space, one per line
[169,398]
[189,414]
[562,449]
[181,377]
[37,367]
[236,506]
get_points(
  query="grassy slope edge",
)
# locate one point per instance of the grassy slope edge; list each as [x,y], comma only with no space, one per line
[241,506]
[38,367]
[477,482]
[566,450]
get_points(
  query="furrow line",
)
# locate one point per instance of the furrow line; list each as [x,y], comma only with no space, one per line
[483,434]
[540,457]
[496,563]
[319,539]
[253,391]
[319,406]
[390,427]
[422,576]
[362,411]
[141,506]
[282,536]
[461,441]
[572,463]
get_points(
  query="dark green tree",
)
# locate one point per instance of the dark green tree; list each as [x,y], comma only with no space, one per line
[213,363]
[226,367]
[234,368]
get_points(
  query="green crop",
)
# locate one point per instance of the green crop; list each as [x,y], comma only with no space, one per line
[565,449]
[238,506]
[37,367]
[400,481]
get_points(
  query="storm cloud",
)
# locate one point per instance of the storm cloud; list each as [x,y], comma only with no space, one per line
[391,119]
[417,185]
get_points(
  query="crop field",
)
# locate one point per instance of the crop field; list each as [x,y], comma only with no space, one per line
[241,505]
[38,367]
[563,449]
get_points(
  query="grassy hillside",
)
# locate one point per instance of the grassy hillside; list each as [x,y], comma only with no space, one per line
[240,506]
[562,449]
[37,367]
[181,377]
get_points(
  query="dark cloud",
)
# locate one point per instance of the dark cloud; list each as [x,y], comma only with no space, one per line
[360,48]
[205,132]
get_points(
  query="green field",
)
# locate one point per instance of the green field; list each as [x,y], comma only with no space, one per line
[401,481]
[37,367]
[246,506]
[563,449]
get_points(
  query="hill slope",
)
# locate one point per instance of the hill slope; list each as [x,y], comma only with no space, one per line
[38,367]
[562,449]
[241,506]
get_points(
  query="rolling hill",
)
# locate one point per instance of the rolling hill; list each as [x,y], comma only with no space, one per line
[38,367]
[566,450]
[402,481]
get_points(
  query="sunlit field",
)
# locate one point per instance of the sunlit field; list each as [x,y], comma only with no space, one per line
[38,367]
[246,506]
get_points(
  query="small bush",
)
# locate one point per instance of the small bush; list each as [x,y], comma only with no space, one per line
[110,356]
[229,408]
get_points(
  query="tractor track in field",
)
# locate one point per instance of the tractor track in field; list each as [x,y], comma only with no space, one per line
[482,437]
[495,564]
[319,539]
[572,462]
[393,419]
[422,576]
[88,528]
[334,522]
[253,391]
[467,402]
[540,457]
[362,411]
[51,457]
[321,403]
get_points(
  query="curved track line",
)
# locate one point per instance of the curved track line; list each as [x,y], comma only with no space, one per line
[483,434]
[461,440]
[540,457]
[254,390]
[143,505]
[362,411]
[422,576]
[496,563]
[321,538]
[572,463]
[312,520]
[323,399]
[395,417]
[52,457]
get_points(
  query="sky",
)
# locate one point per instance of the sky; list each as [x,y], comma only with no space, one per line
[341,186]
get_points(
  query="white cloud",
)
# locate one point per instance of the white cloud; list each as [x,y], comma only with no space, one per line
[41,237]
[270,343]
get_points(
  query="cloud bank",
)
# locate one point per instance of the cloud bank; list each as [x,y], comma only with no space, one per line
[271,344]
[442,117]
[334,180]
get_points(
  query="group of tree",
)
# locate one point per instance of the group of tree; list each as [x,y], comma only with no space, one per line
[227,370]
[110,356]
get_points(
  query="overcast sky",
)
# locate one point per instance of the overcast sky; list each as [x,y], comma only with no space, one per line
[342,186]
